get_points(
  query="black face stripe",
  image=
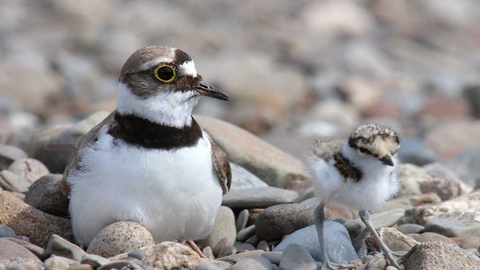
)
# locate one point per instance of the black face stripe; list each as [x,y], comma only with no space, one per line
[143,133]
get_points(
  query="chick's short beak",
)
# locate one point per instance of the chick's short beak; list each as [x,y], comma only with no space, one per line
[387,160]
[206,89]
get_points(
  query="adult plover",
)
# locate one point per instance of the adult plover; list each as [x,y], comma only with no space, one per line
[149,161]
[359,173]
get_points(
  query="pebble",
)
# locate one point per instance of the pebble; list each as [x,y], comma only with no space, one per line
[432,237]
[410,228]
[6,231]
[208,266]
[263,245]
[297,257]
[336,238]
[242,220]
[242,247]
[383,219]
[11,252]
[61,247]
[38,251]
[277,221]
[59,263]
[46,195]
[227,251]
[8,154]
[223,243]
[120,237]
[223,227]
[273,256]
[242,179]
[394,239]
[471,242]
[11,182]
[254,262]
[246,233]
[208,252]
[29,169]
[36,225]
[240,256]
[94,260]
[440,255]
[461,224]
[258,197]
[267,162]
[416,151]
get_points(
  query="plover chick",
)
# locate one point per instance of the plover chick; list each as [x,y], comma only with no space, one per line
[149,161]
[358,172]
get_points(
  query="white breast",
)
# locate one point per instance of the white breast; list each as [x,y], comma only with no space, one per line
[174,194]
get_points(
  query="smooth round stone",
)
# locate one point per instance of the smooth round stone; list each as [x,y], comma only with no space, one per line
[208,252]
[280,220]
[11,252]
[12,182]
[223,243]
[258,197]
[223,227]
[120,237]
[246,233]
[227,251]
[29,169]
[10,153]
[242,219]
[273,256]
[471,242]
[263,245]
[38,251]
[297,257]
[241,247]
[6,231]
[242,179]
[337,239]
[432,237]
[46,195]
[455,224]
[254,262]
[410,228]
[61,247]
[94,260]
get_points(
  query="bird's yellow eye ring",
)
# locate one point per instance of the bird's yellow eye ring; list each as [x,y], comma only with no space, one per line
[165,73]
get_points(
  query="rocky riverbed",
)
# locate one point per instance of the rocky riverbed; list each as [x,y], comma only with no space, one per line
[296,71]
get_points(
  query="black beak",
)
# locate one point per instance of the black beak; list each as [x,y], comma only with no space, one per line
[206,89]
[387,160]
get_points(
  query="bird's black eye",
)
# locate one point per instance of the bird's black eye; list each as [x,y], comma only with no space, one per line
[165,73]
[363,150]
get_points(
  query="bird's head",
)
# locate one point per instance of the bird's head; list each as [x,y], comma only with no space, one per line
[161,84]
[375,142]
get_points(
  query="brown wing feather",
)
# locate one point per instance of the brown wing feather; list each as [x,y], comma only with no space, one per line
[221,166]
[73,163]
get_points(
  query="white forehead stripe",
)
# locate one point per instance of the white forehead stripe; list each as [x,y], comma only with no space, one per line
[162,59]
[188,68]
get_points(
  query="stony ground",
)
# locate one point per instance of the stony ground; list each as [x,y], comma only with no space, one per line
[296,71]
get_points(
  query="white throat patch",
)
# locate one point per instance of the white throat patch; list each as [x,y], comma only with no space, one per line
[166,108]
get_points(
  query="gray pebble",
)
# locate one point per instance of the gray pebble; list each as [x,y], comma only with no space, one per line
[6,231]
[243,179]
[224,227]
[263,245]
[253,240]
[383,219]
[46,195]
[242,219]
[273,256]
[58,246]
[241,247]
[227,251]
[223,243]
[254,262]
[8,154]
[208,266]
[337,240]
[246,233]
[296,257]
[410,228]
[29,169]
[58,263]
[258,197]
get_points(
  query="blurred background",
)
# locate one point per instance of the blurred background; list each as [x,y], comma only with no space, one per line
[296,70]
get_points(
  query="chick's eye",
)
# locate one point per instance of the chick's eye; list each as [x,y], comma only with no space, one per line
[363,150]
[165,73]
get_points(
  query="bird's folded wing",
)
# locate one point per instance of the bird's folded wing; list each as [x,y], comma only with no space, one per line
[325,149]
[221,166]
[73,163]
